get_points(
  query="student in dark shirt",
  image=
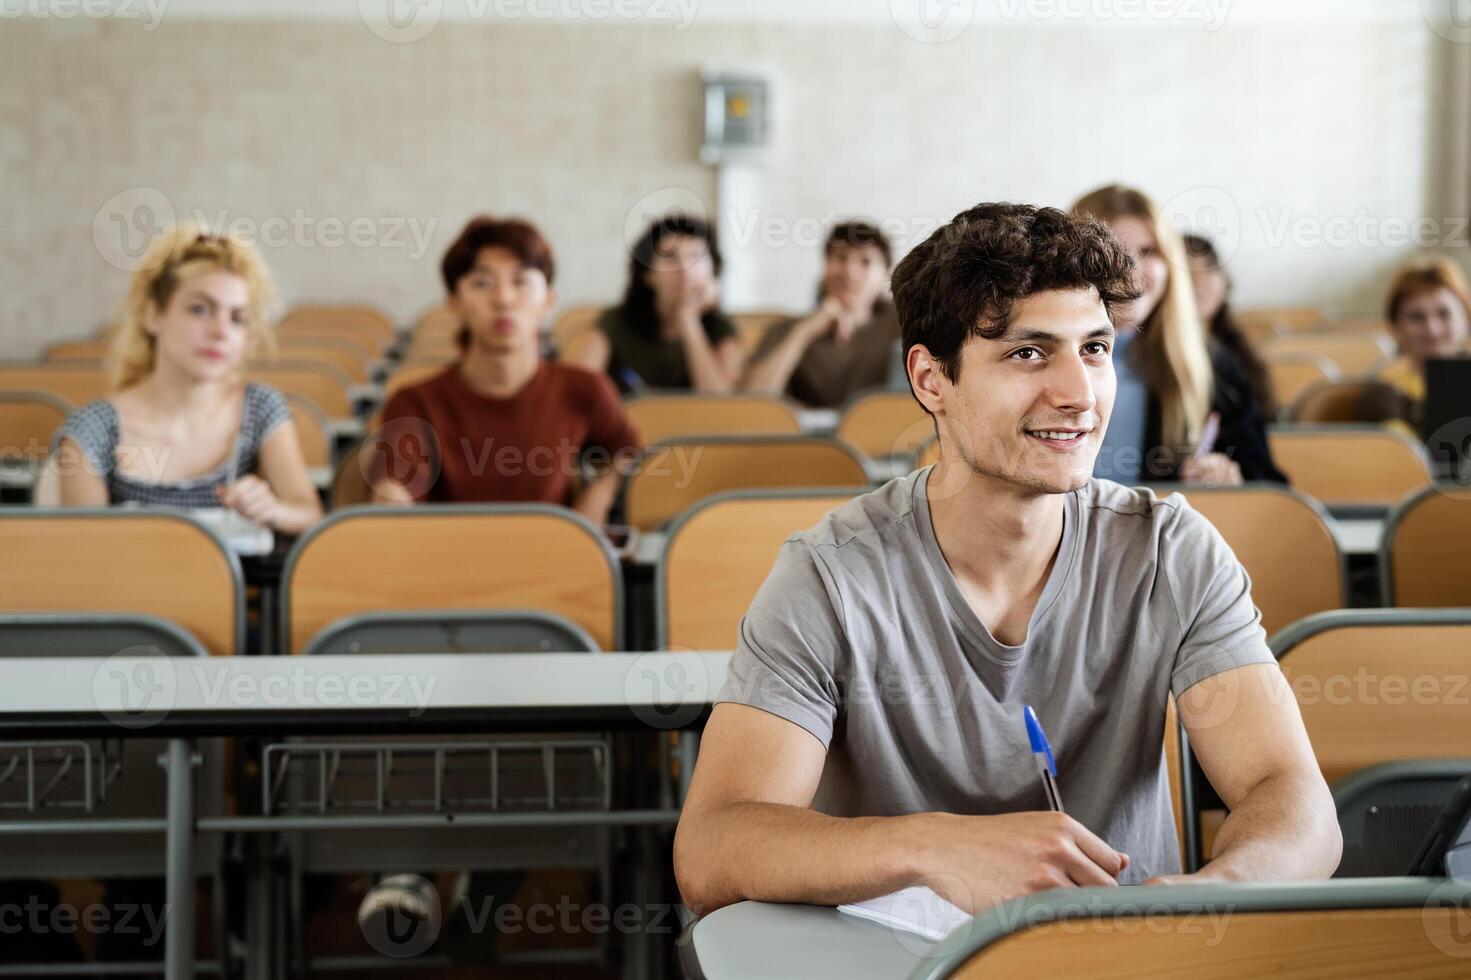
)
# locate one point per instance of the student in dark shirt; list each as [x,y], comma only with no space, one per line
[1213,300]
[502,423]
[850,342]
[669,332]
[1165,356]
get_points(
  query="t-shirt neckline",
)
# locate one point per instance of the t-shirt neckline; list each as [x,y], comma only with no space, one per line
[459,379]
[1061,571]
[214,476]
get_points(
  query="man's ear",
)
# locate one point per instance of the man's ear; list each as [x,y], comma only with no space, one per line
[551,304]
[926,378]
[453,302]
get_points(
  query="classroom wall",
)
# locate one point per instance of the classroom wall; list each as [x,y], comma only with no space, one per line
[1307,145]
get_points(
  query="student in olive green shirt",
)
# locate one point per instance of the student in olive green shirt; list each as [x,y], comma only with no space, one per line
[850,342]
[669,332]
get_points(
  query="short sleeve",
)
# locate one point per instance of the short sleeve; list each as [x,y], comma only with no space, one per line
[1220,626]
[267,412]
[94,428]
[792,646]
[609,427]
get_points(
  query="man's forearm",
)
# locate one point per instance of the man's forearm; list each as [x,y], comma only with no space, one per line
[707,375]
[597,497]
[1284,829]
[769,376]
[774,853]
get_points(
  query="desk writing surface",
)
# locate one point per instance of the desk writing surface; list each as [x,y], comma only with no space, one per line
[1358,536]
[431,682]
[762,941]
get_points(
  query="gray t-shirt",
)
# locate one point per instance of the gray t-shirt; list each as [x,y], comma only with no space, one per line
[861,636]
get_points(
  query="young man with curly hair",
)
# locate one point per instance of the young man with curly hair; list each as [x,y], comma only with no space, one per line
[870,733]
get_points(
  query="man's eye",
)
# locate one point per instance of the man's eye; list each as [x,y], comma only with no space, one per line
[1026,354]
[1097,347]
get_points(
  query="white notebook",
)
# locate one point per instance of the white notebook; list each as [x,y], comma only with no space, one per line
[917,910]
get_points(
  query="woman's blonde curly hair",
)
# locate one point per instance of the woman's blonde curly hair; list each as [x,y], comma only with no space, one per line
[179,253]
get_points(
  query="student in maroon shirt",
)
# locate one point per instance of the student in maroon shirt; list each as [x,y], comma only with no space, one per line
[502,423]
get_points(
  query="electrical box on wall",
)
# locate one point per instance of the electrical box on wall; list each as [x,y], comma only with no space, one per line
[737,117]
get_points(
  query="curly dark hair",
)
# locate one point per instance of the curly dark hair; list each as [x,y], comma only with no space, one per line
[964,280]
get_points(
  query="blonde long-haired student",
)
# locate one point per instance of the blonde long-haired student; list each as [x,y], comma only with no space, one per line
[1171,377]
[183,428]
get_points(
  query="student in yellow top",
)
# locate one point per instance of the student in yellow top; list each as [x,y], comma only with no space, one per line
[1429,312]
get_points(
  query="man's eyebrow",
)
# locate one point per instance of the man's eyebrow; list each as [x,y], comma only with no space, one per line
[1044,337]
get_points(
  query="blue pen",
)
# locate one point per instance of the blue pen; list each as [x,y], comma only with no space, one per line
[632,381]
[1042,752]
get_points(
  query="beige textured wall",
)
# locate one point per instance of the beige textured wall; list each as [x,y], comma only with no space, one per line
[317,132]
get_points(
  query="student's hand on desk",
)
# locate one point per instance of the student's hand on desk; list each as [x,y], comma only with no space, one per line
[252,497]
[1212,469]
[978,862]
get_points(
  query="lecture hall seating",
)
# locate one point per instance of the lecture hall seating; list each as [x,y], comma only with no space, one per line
[460,557]
[675,475]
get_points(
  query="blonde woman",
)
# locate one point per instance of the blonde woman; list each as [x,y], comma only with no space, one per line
[1170,379]
[183,428]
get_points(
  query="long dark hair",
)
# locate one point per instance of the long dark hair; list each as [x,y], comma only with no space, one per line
[638,298]
[1225,332]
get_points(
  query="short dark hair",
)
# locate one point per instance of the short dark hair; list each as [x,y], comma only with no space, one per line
[516,235]
[964,279]
[857,234]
